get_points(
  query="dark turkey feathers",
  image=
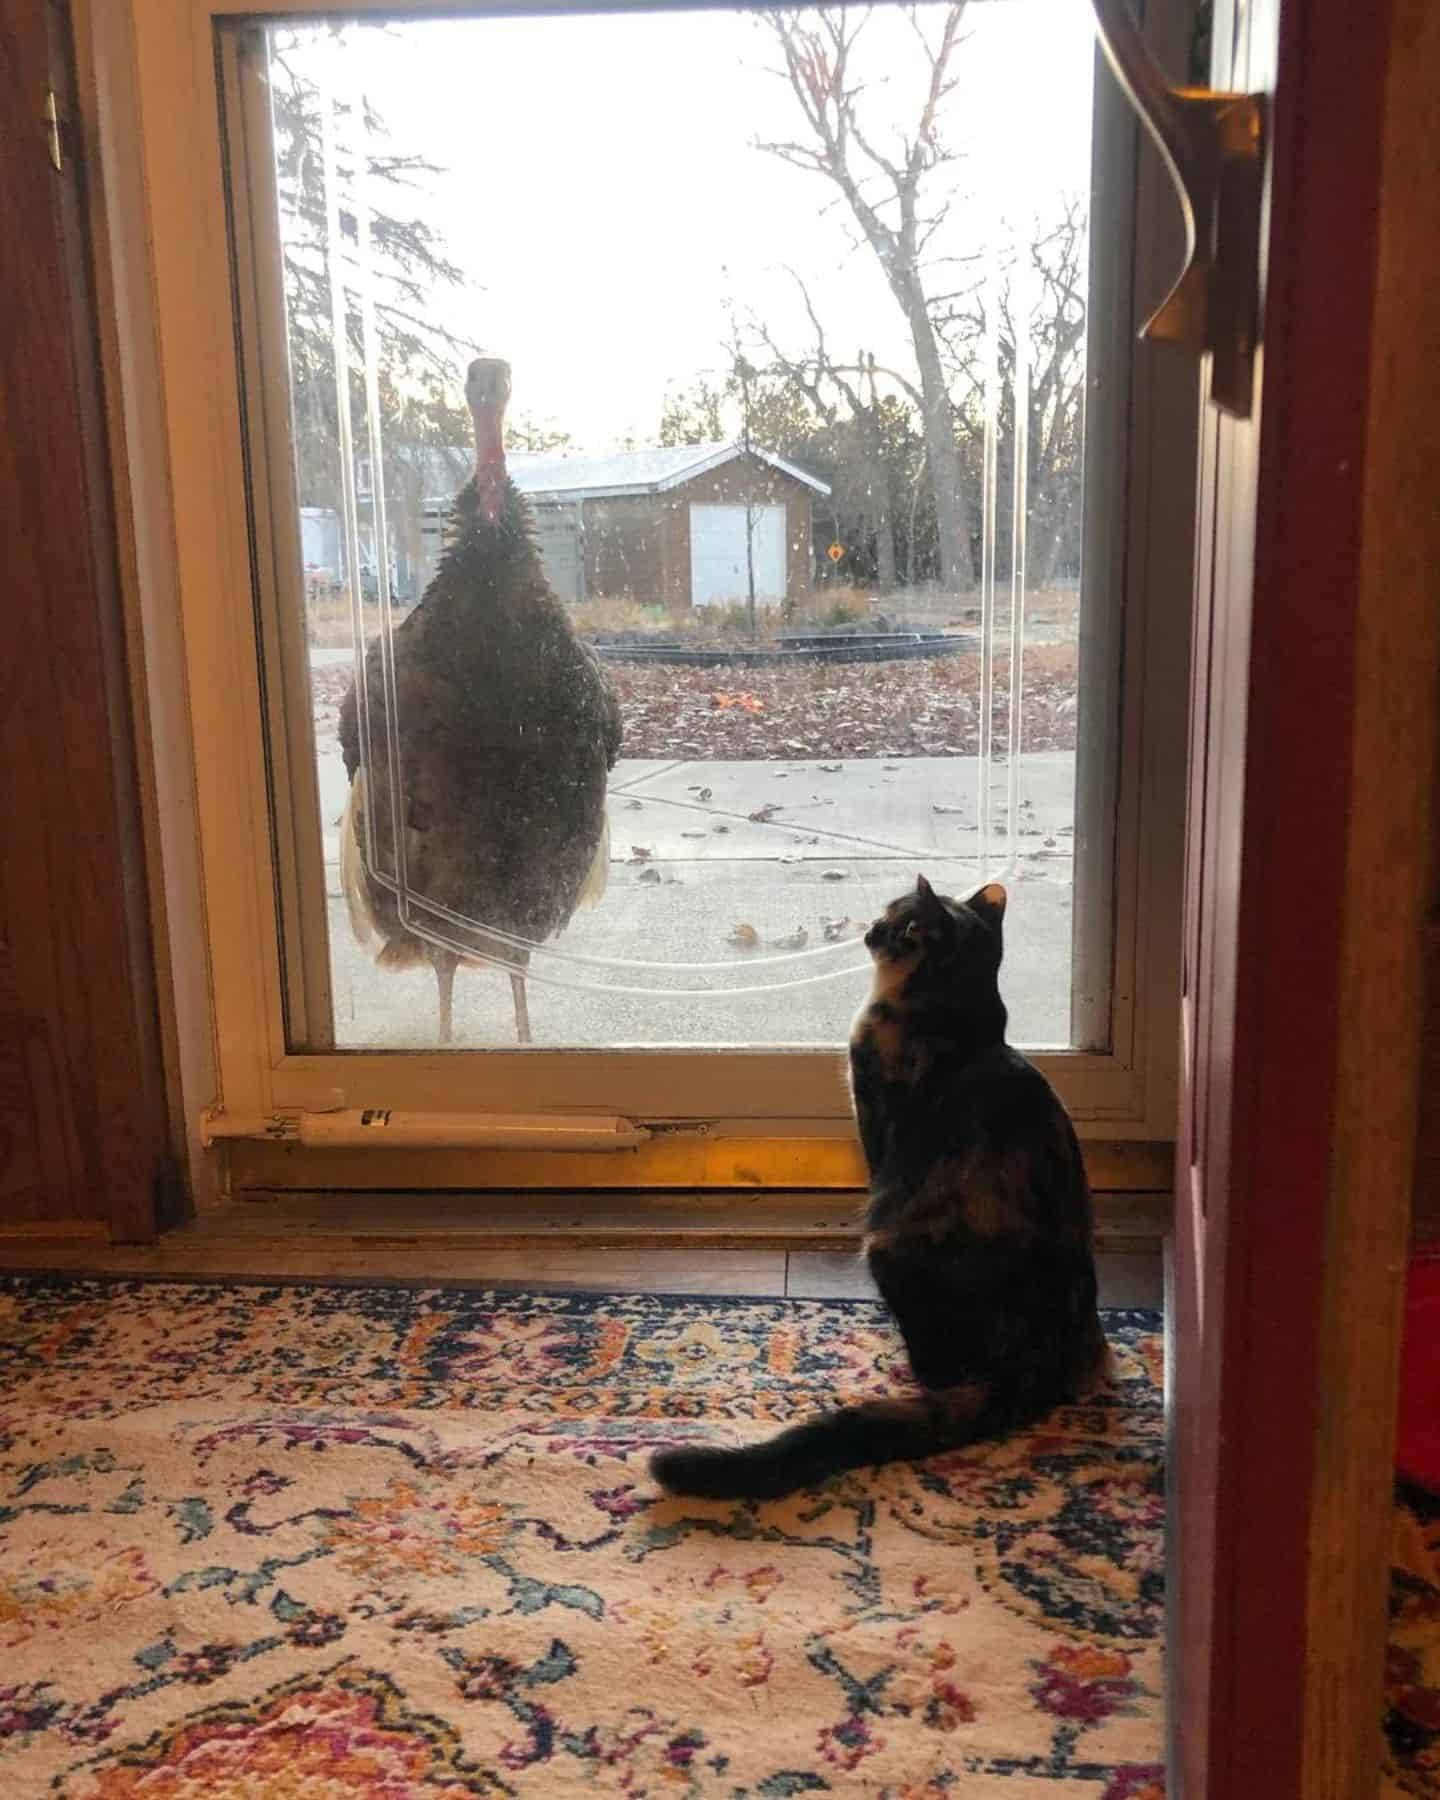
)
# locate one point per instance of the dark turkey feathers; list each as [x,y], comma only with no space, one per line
[506,727]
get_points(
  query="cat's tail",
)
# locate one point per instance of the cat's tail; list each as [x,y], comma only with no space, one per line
[855,1437]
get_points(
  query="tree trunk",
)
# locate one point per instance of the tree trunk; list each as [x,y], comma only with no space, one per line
[877,481]
[941,454]
[884,547]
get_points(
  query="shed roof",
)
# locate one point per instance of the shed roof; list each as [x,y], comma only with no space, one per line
[652,470]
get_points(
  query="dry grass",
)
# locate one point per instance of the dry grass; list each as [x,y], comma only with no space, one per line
[604,616]
[821,609]
[328,622]
[1051,615]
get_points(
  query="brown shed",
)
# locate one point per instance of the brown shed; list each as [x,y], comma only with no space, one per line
[680,526]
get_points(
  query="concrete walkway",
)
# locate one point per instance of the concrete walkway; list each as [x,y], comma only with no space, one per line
[690,862]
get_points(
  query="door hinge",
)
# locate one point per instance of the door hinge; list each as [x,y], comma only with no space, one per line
[52,132]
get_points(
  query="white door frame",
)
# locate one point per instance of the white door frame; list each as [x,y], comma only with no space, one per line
[172,363]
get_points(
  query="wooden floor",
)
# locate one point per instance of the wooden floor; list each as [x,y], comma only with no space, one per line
[1127,1278]
[762,1244]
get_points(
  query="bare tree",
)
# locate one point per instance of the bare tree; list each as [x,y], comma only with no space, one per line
[410,265]
[524,432]
[1057,391]
[888,196]
[694,416]
[819,376]
[1050,320]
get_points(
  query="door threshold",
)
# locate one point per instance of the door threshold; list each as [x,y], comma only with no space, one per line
[1129,1269]
[648,1219]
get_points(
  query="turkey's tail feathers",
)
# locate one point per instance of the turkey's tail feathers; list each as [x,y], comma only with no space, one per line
[352,865]
[592,890]
[856,1437]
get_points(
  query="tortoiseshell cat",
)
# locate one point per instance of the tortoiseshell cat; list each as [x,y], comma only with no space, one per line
[978,1226]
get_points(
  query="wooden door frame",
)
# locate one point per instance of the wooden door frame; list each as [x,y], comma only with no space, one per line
[1318,1044]
[86,1144]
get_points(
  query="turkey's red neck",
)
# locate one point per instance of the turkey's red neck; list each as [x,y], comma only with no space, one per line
[487,410]
[490,464]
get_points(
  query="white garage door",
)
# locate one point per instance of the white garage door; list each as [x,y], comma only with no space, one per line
[718,572]
[557,537]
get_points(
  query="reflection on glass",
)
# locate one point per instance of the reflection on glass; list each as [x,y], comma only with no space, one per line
[642,696]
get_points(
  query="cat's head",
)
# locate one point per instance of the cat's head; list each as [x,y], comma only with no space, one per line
[947,939]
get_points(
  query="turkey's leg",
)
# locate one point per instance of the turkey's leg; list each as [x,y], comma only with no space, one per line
[444,967]
[522,1006]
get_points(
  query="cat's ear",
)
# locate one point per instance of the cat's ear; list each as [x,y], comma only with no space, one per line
[929,903]
[989,902]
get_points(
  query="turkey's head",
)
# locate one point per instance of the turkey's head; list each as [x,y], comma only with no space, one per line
[487,389]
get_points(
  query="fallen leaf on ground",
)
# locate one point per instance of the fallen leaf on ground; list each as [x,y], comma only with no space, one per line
[883,712]
[640,853]
[744,937]
[835,712]
[651,874]
[834,875]
[763,814]
[797,940]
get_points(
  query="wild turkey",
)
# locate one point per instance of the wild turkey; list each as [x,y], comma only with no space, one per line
[506,727]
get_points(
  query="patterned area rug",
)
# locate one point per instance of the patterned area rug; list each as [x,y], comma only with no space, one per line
[355,1543]
[1412,1667]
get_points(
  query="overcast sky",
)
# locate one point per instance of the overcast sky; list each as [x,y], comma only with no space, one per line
[604,192]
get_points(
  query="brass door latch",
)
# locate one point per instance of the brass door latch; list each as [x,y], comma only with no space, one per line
[1213,145]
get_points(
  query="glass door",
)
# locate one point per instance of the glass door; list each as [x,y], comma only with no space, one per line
[689,465]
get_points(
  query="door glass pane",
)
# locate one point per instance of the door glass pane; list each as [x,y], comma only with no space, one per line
[767,336]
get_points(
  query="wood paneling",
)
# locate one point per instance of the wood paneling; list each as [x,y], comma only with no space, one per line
[82,1127]
[1386,882]
[1314,739]
[1404,507]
